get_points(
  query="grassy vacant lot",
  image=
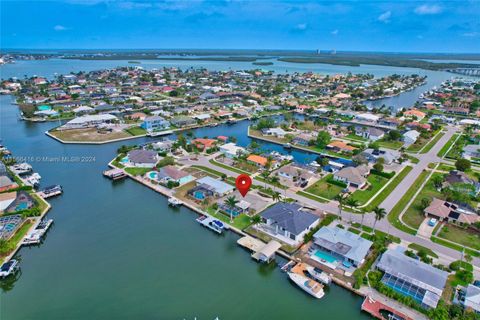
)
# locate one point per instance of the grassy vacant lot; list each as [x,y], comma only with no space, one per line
[453,246]
[375,182]
[136,131]
[414,216]
[418,247]
[447,145]
[11,243]
[460,235]
[230,168]
[390,144]
[393,216]
[312,197]
[386,192]
[457,149]
[87,135]
[324,189]
[432,142]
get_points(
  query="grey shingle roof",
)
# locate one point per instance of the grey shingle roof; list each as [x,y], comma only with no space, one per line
[290,217]
[142,156]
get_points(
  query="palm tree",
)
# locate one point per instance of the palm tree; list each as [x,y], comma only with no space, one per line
[379,215]
[352,203]
[231,202]
[265,175]
[274,181]
[340,199]
[276,196]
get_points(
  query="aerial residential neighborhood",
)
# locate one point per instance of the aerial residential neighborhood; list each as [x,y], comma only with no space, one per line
[240,160]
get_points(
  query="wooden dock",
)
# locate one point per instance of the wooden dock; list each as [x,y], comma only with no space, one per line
[374,307]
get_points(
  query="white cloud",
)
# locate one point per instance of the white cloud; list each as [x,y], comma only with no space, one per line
[428,9]
[334,32]
[471,34]
[59,27]
[301,26]
[385,17]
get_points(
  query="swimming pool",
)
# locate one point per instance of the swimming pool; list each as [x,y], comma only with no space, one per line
[325,256]
[124,160]
[21,206]
[153,175]
[199,195]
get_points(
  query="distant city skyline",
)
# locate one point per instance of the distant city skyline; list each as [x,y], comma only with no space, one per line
[384,26]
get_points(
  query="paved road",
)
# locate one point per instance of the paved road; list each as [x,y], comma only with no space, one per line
[445,253]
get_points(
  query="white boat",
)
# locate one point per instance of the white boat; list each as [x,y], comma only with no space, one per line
[21,168]
[174,202]
[314,164]
[8,268]
[36,235]
[319,275]
[211,223]
[33,179]
[308,285]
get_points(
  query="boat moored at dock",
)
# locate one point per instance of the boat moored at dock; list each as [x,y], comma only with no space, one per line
[21,168]
[36,235]
[9,268]
[174,202]
[114,174]
[319,275]
[51,191]
[310,286]
[211,223]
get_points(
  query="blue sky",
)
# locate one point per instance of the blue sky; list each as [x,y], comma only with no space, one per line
[403,26]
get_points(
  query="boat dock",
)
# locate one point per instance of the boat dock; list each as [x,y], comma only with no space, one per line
[35,236]
[261,252]
[382,311]
[114,174]
[212,224]
[50,191]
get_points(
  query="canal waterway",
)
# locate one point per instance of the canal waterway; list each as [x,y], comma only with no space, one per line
[117,250]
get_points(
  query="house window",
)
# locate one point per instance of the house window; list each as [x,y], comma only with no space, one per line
[292,236]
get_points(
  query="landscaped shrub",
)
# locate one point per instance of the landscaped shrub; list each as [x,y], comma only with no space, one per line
[387,175]
[336,182]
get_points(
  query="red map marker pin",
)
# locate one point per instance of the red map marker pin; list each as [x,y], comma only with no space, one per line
[243,183]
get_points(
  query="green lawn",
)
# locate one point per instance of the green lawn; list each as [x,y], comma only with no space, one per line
[12,243]
[136,131]
[432,142]
[233,169]
[354,137]
[214,172]
[386,192]
[390,144]
[240,222]
[457,149]
[376,182]
[460,235]
[393,216]
[454,246]
[324,189]
[447,145]
[312,197]
[138,171]
[414,216]
[418,247]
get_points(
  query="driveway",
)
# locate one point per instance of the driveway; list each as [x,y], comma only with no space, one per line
[425,230]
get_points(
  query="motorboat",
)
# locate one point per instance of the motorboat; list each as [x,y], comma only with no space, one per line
[310,286]
[174,202]
[319,275]
[8,268]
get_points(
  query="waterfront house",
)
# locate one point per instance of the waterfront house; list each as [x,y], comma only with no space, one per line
[367,117]
[257,160]
[276,132]
[172,173]
[142,158]
[340,244]
[340,146]
[296,174]
[390,122]
[410,137]
[83,110]
[414,114]
[369,133]
[415,125]
[303,139]
[155,123]
[231,150]
[451,212]
[6,183]
[204,144]
[389,156]
[182,121]
[354,177]
[412,278]
[471,151]
[6,199]
[89,121]
[209,187]
[287,222]
[242,206]
[163,146]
